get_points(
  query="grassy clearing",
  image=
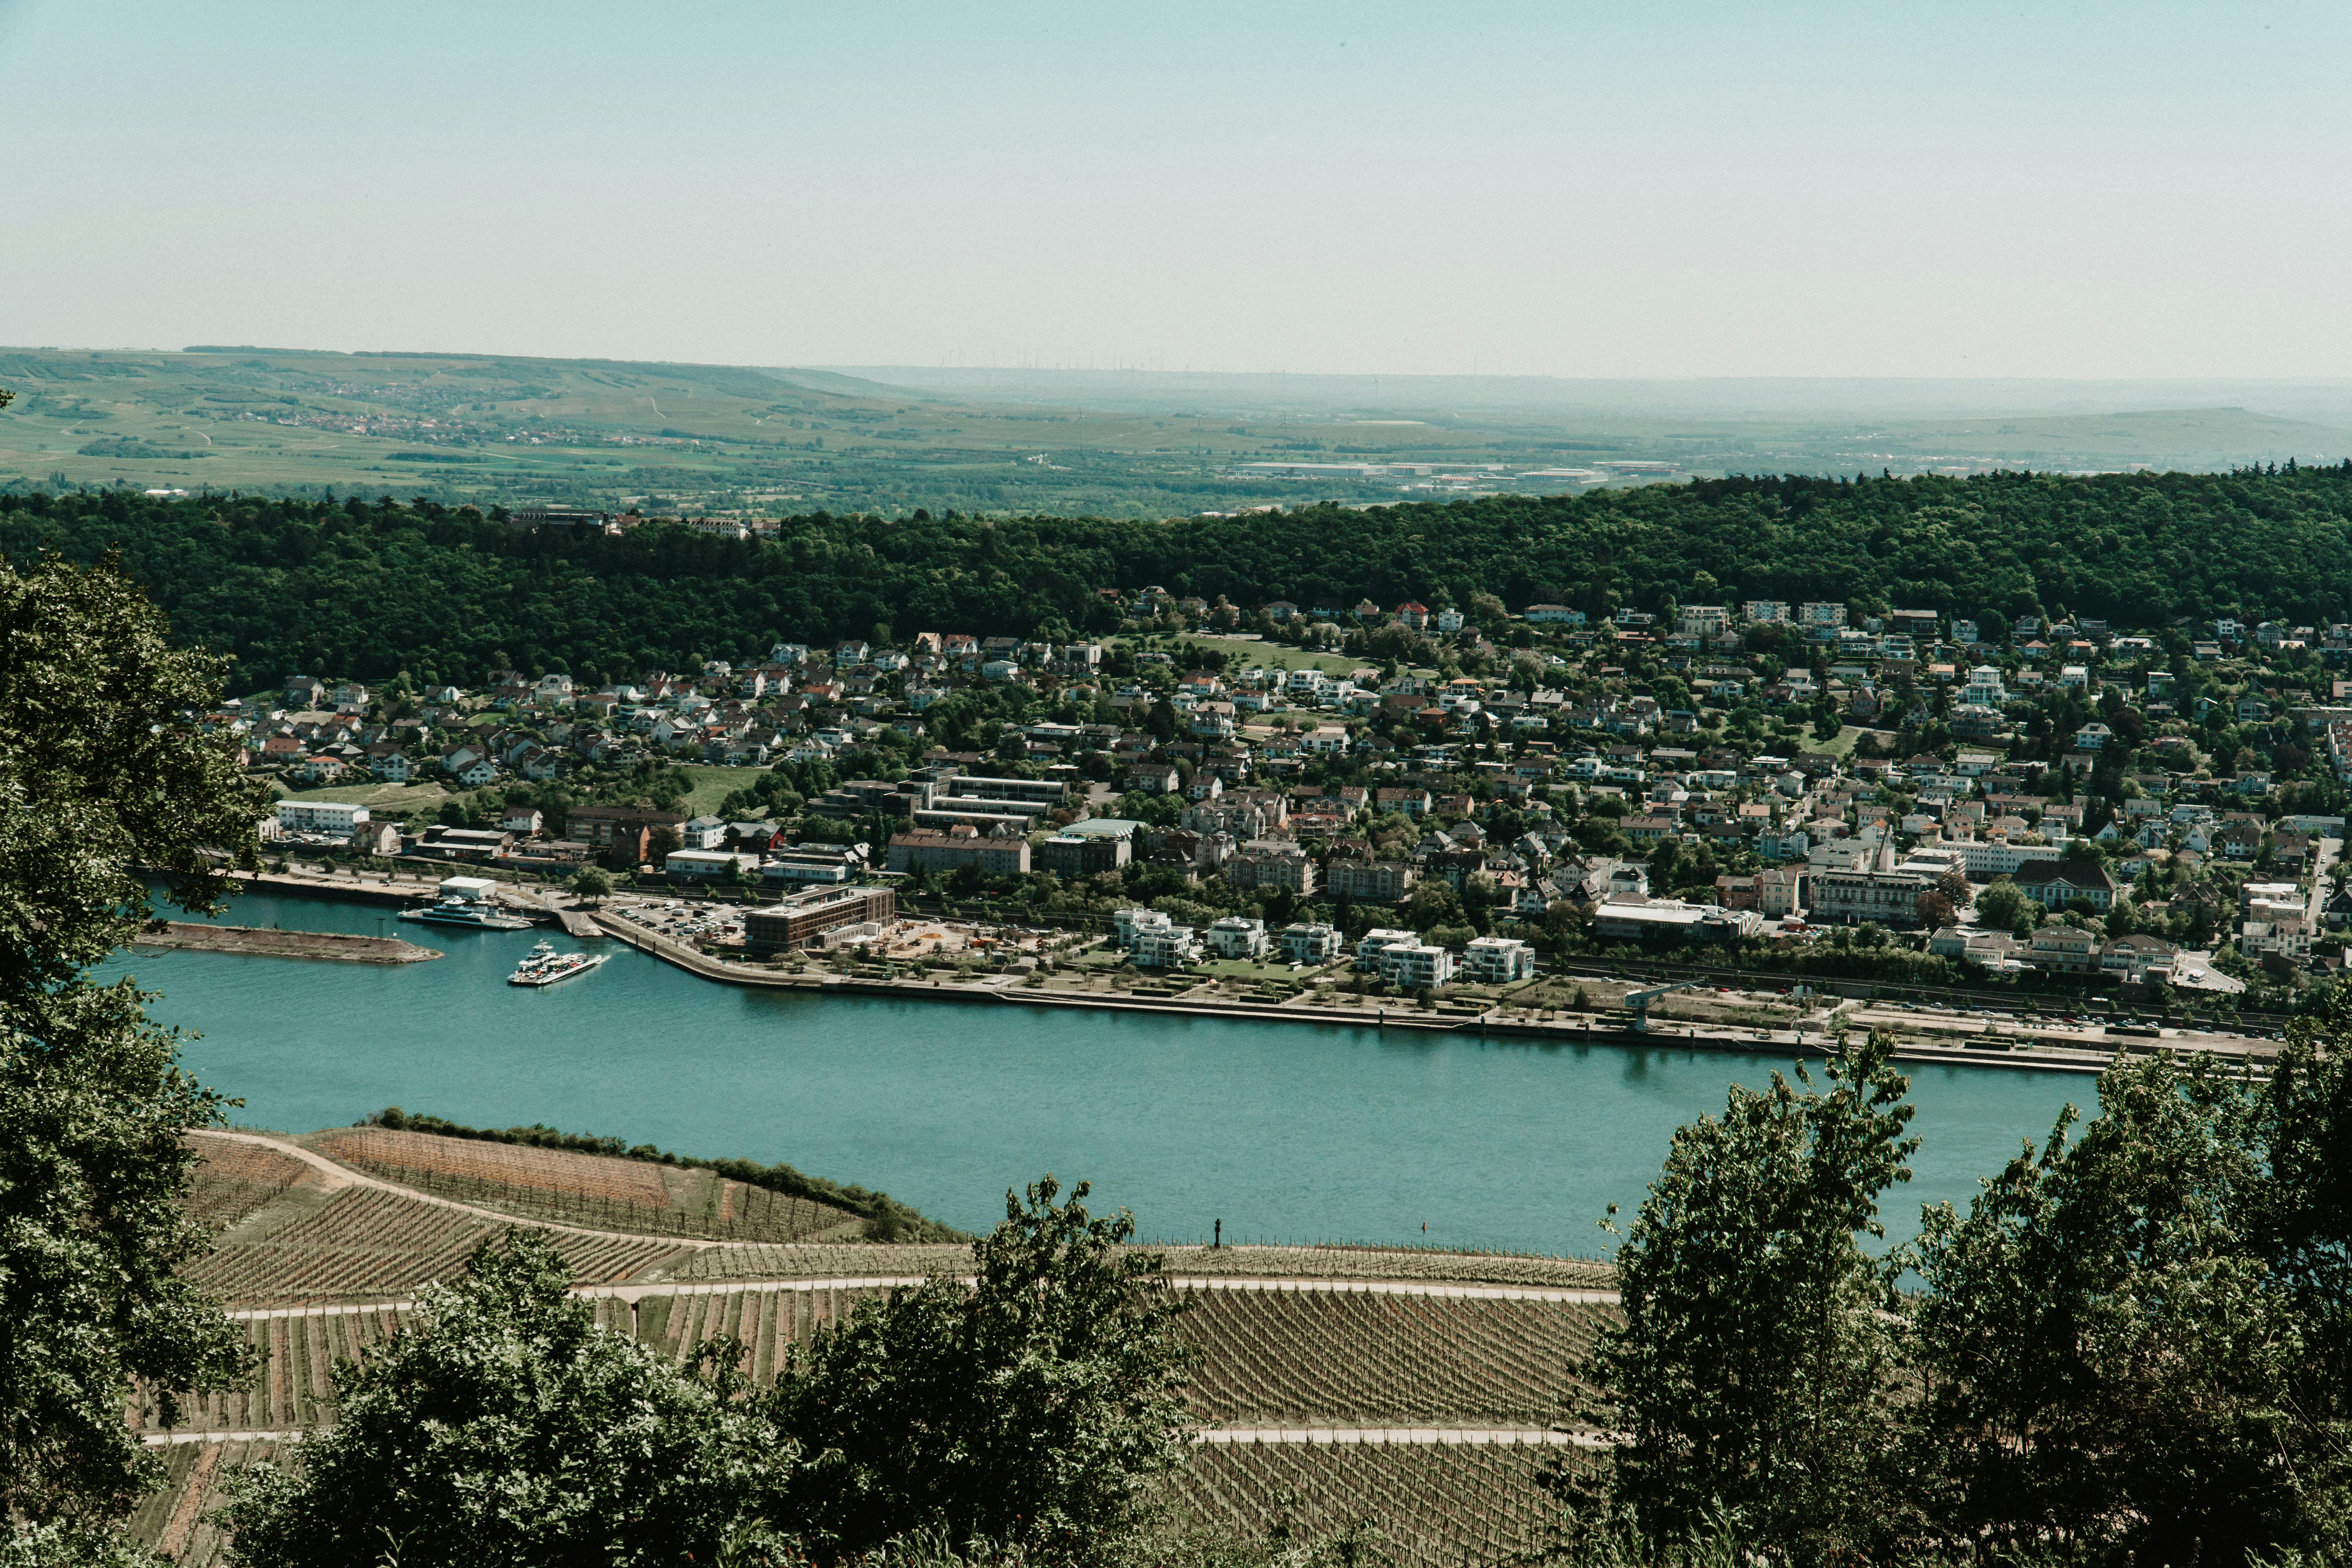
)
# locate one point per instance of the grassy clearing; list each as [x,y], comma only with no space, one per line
[713,784]
[1248,651]
[388,799]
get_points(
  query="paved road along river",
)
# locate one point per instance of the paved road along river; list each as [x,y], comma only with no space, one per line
[1285,1132]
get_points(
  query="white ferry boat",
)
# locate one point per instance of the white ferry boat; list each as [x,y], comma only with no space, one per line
[545,966]
[467,902]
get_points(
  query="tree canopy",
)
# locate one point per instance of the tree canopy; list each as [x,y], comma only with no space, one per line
[502,1424]
[2134,1346]
[1030,1408]
[370,588]
[100,774]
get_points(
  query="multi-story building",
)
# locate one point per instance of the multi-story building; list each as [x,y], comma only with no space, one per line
[1765,612]
[2061,947]
[1269,864]
[336,818]
[809,863]
[1236,937]
[929,849]
[604,826]
[1154,941]
[799,920]
[1821,615]
[2056,883]
[1372,944]
[1985,687]
[1878,891]
[1497,960]
[1780,891]
[1071,855]
[1369,881]
[1309,943]
[1414,966]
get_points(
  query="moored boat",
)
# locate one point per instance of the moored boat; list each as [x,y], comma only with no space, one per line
[467,901]
[545,966]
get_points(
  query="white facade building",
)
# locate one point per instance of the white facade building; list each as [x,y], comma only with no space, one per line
[1497,960]
[1154,941]
[1305,943]
[1235,937]
[1414,966]
[335,818]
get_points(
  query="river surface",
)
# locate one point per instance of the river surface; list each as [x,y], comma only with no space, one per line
[1285,1131]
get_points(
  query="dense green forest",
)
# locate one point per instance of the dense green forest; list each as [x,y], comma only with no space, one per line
[369,588]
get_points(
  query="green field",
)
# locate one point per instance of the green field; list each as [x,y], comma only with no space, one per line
[390,799]
[722,438]
[712,784]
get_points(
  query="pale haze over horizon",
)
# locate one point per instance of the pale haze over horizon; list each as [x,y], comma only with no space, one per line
[1572,190]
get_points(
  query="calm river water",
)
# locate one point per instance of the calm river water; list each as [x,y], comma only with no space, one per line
[1285,1132]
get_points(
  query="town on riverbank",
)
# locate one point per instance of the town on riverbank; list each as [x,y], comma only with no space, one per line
[1436,811]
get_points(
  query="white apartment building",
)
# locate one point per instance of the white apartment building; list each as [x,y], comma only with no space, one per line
[336,818]
[1497,960]
[1234,937]
[1305,943]
[1308,686]
[1172,948]
[1985,687]
[1415,967]
[1154,941]
[1762,612]
[1372,944]
[708,863]
[1822,614]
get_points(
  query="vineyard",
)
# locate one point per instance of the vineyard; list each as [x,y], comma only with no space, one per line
[1434,1506]
[594,1190]
[1262,1262]
[175,1520]
[290,1387]
[1268,1357]
[232,1180]
[363,1244]
[1430,1506]
[1323,1357]
[842,1262]
[1396,1263]
[766,1322]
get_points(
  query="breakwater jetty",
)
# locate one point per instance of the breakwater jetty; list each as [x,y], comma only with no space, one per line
[270,942]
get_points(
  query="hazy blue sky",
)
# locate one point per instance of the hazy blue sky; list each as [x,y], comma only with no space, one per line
[1620,189]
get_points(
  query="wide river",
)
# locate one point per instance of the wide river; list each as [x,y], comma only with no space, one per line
[1286,1132]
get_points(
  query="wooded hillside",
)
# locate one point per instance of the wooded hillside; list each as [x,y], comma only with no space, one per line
[371,588]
